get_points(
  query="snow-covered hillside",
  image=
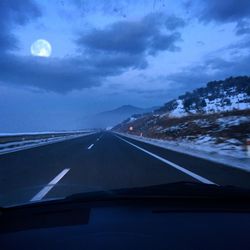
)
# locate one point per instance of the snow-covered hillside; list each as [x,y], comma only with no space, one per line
[218,96]
[238,101]
[217,115]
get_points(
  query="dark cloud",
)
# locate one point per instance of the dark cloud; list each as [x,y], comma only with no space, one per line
[122,37]
[165,42]
[63,75]
[173,22]
[12,13]
[18,11]
[7,40]
[142,37]
[223,11]
[243,27]
[244,44]
[56,75]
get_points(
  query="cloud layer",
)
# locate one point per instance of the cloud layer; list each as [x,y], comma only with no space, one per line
[104,53]
[114,49]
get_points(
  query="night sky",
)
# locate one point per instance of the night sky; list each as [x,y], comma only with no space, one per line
[108,53]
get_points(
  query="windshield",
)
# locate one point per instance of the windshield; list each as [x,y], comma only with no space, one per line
[98,95]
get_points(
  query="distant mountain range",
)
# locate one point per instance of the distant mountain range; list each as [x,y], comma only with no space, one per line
[113,117]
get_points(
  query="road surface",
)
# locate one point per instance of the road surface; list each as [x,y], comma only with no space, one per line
[102,161]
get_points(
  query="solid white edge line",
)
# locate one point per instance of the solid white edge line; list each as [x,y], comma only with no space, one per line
[195,176]
[48,187]
[90,146]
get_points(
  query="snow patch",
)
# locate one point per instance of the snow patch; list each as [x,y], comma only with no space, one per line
[232,121]
[227,103]
[179,111]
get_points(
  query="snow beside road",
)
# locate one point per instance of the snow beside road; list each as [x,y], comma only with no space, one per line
[44,133]
[204,147]
[21,145]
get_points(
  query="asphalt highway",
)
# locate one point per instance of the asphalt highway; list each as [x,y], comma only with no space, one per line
[102,161]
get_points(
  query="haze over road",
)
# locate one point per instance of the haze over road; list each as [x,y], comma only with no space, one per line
[102,161]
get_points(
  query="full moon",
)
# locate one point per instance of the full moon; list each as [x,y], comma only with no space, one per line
[41,48]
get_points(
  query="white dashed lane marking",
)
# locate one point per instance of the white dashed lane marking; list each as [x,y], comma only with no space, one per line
[92,145]
[48,187]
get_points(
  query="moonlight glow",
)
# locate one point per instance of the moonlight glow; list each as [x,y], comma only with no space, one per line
[41,48]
